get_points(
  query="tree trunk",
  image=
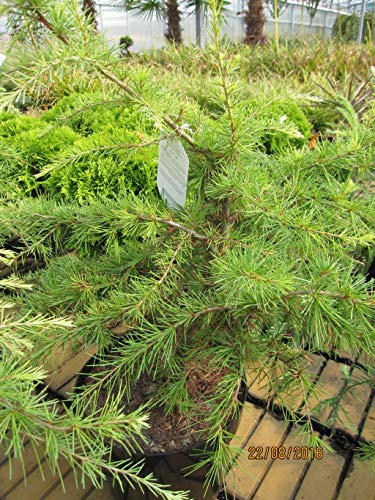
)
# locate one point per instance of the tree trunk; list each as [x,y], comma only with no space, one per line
[90,12]
[254,22]
[173,33]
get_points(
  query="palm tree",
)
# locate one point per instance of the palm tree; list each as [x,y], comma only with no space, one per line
[169,12]
[173,17]
[164,10]
[254,22]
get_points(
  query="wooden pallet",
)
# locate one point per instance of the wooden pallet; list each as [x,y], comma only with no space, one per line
[337,475]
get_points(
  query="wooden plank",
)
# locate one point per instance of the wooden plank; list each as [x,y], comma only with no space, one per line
[283,476]
[250,418]
[328,385]
[295,399]
[259,386]
[353,405]
[368,431]
[10,477]
[70,491]
[359,482]
[64,365]
[37,484]
[246,475]
[68,388]
[321,478]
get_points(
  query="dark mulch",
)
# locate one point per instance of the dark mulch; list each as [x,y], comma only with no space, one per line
[167,433]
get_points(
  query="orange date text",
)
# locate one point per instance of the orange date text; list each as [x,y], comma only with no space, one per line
[285,453]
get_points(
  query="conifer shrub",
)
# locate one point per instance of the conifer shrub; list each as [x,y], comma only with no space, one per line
[263,266]
[280,111]
[13,124]
[97,117]
[90,153]
[81,173]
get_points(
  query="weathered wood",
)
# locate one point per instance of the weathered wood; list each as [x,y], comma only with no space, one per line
[65,364]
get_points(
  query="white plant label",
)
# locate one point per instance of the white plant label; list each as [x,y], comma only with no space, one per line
[2,58]
[173,169]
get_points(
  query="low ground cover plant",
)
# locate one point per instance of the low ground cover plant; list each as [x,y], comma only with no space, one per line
[264,265]
[96,144]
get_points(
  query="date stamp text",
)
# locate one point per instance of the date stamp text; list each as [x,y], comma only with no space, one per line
[284,453]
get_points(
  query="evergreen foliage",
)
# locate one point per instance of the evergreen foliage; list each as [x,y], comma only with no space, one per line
[78,155]
[265,264]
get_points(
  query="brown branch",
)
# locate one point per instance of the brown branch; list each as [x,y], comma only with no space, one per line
[168,121]
[44,423]
[174,224]
[48,25]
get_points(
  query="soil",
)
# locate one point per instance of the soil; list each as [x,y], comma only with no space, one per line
[167,433]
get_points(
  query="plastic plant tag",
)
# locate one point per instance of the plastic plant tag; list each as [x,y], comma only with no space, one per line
[2,58]
[173,169]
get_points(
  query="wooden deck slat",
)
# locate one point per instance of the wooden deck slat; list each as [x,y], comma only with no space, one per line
[67,388]
[359,482]
[64,365]
[56,490]
[328,385]
[250,418]
[321,478]
[295,399]
[36,485]
[11,477]
[368,431]
[353,406]
[283,476]
[245,476]
[258,384]
[70,490]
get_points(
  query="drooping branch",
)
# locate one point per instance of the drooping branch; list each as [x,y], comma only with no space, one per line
[42,19]
[133,95]
[168,121]
[174,224]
